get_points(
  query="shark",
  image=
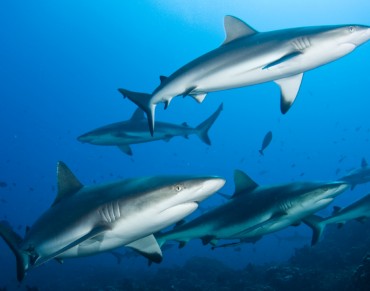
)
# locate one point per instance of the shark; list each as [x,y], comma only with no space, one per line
[359,210]
[86,220]
[135,130]
[254,211]
[248,57]
[358,176]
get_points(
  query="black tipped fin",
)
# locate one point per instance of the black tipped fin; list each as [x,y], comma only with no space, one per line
[13,240]
[147,247]
[143,100]
[316,224]
[203,128]
[289,88]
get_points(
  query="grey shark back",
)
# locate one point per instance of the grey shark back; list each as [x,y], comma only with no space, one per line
[254,211]
[134,131]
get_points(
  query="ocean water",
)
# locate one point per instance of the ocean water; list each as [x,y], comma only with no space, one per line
[61,65]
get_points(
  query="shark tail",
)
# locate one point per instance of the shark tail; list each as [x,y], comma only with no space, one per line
[317,224]
[203,128]
[143,100]
[13,240]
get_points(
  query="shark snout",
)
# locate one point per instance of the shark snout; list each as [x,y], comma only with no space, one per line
[336,188]
[362,35]
[210,187]
[84,138]
[203,188]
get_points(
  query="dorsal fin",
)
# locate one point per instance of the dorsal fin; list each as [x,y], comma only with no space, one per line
[185,124]
[336,209]
[137,115]
[163,78]
[68,184]
[363,163]
[243,183]
[236,28]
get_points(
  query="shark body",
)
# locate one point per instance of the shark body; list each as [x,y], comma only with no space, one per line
[359,210]
[86,220]
[254,211]
[249,57]
[358,176]
[135,130]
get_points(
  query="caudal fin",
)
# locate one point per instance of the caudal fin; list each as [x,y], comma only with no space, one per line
[203,128]
[316,223]
[143,100]
[13,240]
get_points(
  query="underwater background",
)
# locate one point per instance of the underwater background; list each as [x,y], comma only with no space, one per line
[61,65]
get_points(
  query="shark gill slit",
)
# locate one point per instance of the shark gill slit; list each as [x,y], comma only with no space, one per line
[110,212]
[285,205]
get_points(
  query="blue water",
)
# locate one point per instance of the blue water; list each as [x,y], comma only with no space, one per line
[61,63]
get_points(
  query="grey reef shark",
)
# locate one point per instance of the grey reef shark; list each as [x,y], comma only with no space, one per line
[254,211]
[248,57]
[359,210]
[135,130]
[358,176]
[86,220]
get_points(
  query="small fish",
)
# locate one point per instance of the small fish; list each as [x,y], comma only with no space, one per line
[266,141]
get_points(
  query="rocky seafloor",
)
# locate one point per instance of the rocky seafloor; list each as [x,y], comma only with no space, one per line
[341,262]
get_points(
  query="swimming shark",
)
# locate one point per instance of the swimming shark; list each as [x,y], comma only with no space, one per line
[358,176]
[359,210]
[254,211]
[86,220]
[248,57]
[135,130]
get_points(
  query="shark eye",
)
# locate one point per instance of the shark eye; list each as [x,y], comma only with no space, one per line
[178,188]
[351,28]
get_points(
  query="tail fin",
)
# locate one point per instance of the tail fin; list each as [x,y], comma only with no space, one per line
[13,240]
[261,152]
[202,129]
[317,224]
[143,100]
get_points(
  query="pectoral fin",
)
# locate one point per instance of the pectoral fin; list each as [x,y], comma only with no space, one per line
[282,60]
[265,224]
[289,89]
[94,232]
[148,247]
